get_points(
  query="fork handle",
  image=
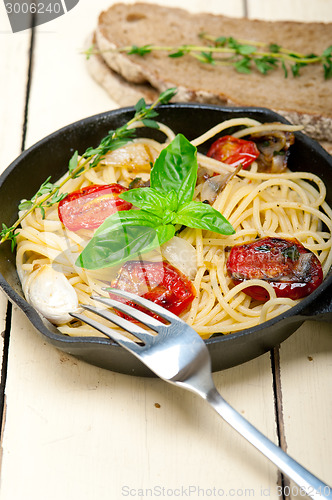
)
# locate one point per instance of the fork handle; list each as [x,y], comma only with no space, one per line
[309,483]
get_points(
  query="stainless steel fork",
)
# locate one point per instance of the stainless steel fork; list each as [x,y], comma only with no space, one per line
[177,354]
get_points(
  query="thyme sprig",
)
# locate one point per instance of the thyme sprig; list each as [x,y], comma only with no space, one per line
[243,55]
[48,194]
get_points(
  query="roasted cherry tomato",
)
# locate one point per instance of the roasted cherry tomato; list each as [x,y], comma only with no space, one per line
[88,207]
[159,282]
[291,269]
[233,151]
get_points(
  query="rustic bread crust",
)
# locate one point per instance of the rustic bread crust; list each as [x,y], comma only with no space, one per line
[120,90]
[306,99]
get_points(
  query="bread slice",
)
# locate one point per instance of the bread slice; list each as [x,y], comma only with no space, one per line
[306,99]
[120,90]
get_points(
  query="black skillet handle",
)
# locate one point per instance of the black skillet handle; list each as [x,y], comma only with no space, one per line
[320,309]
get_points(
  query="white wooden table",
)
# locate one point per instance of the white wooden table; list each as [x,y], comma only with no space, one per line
[74,431]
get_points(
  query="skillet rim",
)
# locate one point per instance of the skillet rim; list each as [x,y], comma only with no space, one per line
[43,326]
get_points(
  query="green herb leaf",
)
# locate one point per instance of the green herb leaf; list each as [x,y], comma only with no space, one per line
[221,41]
[9,234]
[167,95]
[148,199]
[25,205]
[246,50]
[140,105]
[165,233]
[46,187]
[233,43]
[150,123]
[73,162]
[206,57]
[202,216]
[265,64]
[327,52]
[140,51]
[176,169]
[291,253]
[122,235]
[296,68]
[243,65]
[126,218]
[178,53]
[284,67]
[89,52]
[172,200]
[274,47]
[327,69]
[56,198]
[42,209]
[129,241]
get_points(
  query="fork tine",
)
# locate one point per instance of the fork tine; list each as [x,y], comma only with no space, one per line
[128,344]
[127,325]
[148,304]
[140,316]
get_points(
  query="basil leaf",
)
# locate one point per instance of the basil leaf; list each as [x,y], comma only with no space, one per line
[148,199]
[201,216]
[176,169]
[121,236]
[121,244]
[172,201]
[165,233]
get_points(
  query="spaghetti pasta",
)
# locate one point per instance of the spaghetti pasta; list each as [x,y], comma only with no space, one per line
[257,204]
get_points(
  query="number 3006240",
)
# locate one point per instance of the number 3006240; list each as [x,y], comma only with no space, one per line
[33,8]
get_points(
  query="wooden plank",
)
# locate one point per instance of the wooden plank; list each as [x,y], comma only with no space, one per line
[306,379]
[14,57]
[296,10]
[76,431]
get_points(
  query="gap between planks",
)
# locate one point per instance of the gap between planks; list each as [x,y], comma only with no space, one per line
[278,411]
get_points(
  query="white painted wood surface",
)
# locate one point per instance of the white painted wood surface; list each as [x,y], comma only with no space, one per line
[14,58]
[74,431]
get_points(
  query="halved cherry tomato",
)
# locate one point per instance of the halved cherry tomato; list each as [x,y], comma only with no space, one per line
[159,282]
[88,207]
[291,269]
[233,151]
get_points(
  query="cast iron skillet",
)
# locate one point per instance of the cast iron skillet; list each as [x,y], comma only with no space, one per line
[50,156]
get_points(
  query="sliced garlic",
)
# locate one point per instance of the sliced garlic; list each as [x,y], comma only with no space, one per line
[182,255]
[49,291]
[133,156]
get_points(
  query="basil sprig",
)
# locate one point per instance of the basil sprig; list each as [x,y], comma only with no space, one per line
[160,209]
